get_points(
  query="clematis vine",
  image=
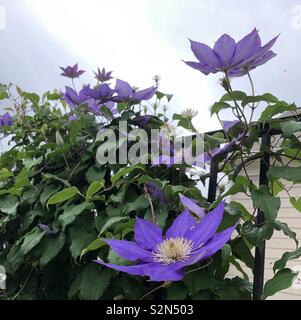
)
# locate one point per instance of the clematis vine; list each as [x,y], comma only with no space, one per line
[234,59]
[163,258]
[72,72]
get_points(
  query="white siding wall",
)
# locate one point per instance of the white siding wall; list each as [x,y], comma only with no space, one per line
[279,242]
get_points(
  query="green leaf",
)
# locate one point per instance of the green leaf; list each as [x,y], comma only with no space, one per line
[282,280]
[81,238]
[31,239]
[48,192]
[257,235]
[5,173]
[3,92]
[140,203]
[94,188]
[218,106]
[285,172]
[243,252]
[281,263]
[196,281]
[71,213]
[63,195]
[9,204]
[245,214]
[50,248]
[111,222]
[266,202]
[125,171]
[95,245]
[235,95]
[281,226]
[94,282]
[95,174]
[296,203]
[176,292]
[14,259]
[277,108]
[290,127]
[267,97]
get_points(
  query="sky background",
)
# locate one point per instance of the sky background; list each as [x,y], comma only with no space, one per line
[140,38]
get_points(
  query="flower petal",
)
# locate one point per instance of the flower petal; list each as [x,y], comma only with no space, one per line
[247,46]
[204,54]
[204,68]
[218,241]
[262,60]
[145,94]
[225,48]
[180,225]
[147,234]
[161,272]
[136,270]
[205,230]
[228,125]
[192,206]
[129,250]
[123,89]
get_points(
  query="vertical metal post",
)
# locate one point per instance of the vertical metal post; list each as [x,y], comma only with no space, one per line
[213,181]
[260,253]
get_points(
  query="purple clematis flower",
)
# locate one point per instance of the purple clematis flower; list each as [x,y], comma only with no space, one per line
[126,92]
[73,98]
[72,72]
[6,120]
[102,92]
[102,75]
[163,258]
[234,59]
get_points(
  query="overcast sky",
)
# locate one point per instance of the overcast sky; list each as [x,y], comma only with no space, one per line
[140,38]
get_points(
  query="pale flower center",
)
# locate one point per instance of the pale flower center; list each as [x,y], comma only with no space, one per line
[172,250]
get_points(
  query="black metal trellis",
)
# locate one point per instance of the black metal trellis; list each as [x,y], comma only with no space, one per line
[259,262]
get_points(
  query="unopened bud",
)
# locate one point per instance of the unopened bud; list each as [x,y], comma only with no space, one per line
[59,139]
